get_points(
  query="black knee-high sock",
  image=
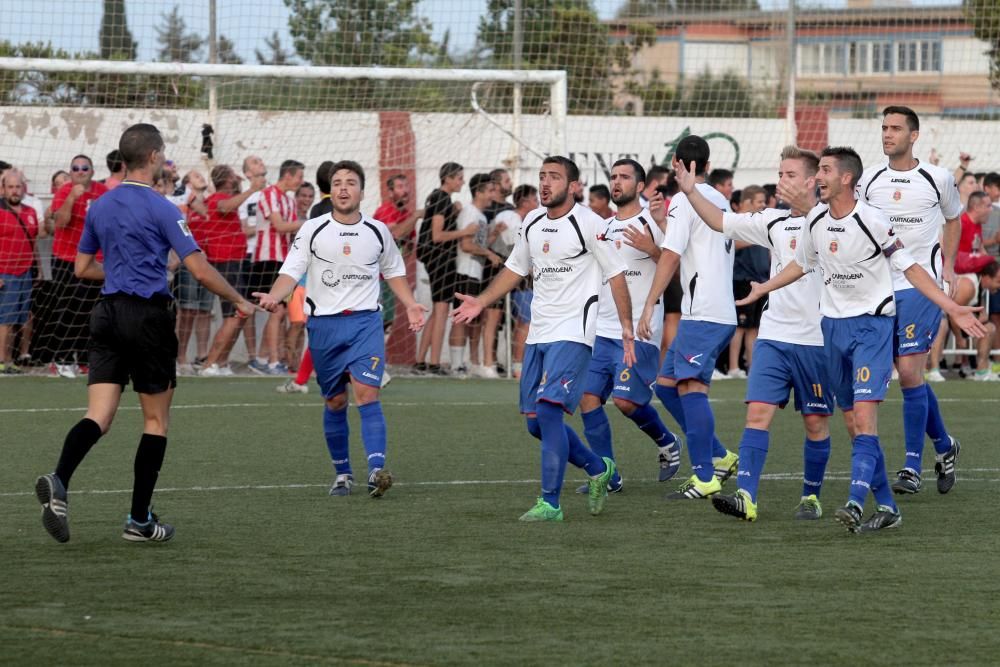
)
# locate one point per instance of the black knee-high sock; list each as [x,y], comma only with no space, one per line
[78,442]
[148,459]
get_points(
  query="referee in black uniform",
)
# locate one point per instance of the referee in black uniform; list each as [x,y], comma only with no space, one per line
[131,328]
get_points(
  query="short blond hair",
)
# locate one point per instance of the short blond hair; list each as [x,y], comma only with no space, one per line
[809,159]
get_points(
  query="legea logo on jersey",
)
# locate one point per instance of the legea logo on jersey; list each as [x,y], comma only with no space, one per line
[834,247]
[347,249]
[545,247]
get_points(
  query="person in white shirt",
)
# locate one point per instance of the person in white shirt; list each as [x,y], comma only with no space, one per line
[636,236]
[789,349]
[853,246]
[920,200]
[472,253]
[558,244]
[708,320]
[341,254]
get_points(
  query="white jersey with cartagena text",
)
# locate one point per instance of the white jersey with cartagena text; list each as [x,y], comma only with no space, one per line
[568,264]
[342,263]
[792,313]
[467,264]
[706,260]
[638,275]
[917,203]
[855,255]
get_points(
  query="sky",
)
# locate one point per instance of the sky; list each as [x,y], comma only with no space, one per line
[74,24]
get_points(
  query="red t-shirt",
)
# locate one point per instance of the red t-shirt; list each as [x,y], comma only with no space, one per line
[17,248]
[223,233]
[197,223]
[65,240]
[970,232]
[389,215]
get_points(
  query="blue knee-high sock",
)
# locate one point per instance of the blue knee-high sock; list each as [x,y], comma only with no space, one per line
[864,459]
[583,456]
[373,434]
[935,424]
[816,454]
[753,454]
[648,420]
[555,450]
[915,415]
[718,449]
[700,431]
[880,483]
[597,430]
[672,402]
[337,433]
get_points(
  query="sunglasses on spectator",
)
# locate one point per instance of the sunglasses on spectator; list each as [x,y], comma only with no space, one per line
[80,167]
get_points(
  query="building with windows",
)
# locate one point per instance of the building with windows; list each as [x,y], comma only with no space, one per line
[851,61]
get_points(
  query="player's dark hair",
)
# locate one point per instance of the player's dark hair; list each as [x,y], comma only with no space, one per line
[221,174]
[349,165]
[601,191]
[657,173]
[497,174]
[114,161]
[912,120]
[693,148]
[391,181]
[4,165]
[736,199]
[976,197]
[479,182]
[290,167]
[771,189]
[719,176]
[992,178]
[522,192]
[55,175]
[847,160]
[323,174]
[572,171]
[671,187]
[449,169]
[306,184]
[136,144]
[637,170]
[990,270]
[81,156]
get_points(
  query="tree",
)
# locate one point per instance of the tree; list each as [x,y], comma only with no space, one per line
[225,52]
[727,95]
[277,55]
[985,18]
[115,37]
[176,43]
[658,96]
[636,8]
[561,34]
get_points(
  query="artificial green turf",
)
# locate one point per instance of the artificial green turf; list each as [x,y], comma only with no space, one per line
[441,572]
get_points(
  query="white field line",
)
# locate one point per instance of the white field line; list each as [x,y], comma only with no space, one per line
[839,476]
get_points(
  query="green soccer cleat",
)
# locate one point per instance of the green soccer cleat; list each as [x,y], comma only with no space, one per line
[726,467]
[739,505]
[695,489]
[597,494]
[542,511]
[809,509]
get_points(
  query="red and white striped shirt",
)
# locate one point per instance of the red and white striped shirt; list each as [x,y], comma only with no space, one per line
[272,245]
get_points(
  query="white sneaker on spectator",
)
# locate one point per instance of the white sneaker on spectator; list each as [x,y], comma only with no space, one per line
[291,387]
[486,372]
[895,373]
[211,371]
[185,370]
[226,371]
[717,375]
[933,376]
[386,379]
[738,374]
[985,376]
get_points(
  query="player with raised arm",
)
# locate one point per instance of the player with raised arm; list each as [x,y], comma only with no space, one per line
[636,236]
[708,320]
[559,245]
[919,199]
[788,353]
[855,249]
[341,254]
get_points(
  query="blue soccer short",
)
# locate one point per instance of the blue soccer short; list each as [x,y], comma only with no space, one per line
[345,347]
[858,357]
[695,349]
[555,373]
[607,375]
[780,367]
[917,322]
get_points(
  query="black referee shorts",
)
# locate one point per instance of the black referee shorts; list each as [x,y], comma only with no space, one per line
[133,338]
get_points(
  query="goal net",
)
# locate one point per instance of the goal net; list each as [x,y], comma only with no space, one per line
[405,86]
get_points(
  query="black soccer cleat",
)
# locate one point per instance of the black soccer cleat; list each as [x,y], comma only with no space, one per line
[342,485]
[907,482]
[151,531]
[945,467]
[883,518]
[55,506]
[849,516]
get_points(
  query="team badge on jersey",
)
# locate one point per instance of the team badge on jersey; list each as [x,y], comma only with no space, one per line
[792,243]
[897,195]
[618,244]
[545,247]
[347,249]
[833,247]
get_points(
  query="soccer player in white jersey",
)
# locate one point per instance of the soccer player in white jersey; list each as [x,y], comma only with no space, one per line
[853,246]
[558,244]
[341,254]
[708,320]
[788,353]
[636,236]
[918,198]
